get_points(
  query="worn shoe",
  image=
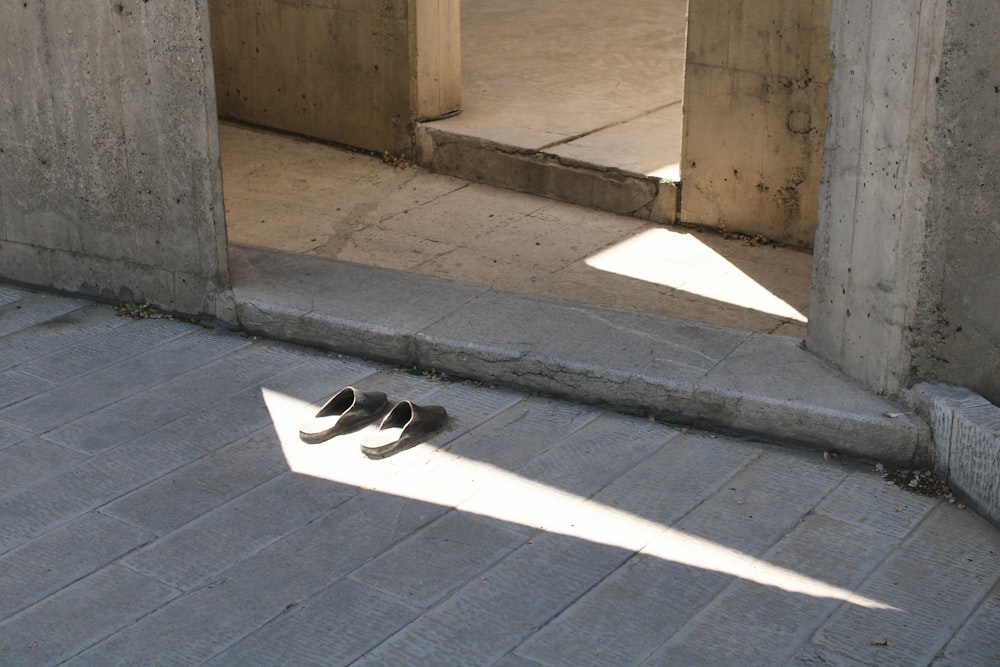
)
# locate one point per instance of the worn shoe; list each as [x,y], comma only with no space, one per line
[347,410]
[405,423]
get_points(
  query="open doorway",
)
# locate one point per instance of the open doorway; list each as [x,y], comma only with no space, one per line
[580,80]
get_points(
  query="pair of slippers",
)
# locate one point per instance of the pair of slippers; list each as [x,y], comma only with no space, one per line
[351,409]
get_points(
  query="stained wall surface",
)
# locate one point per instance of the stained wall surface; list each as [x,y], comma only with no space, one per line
[754,117]
[959,340]
[355,73]
[905,272]
[109,169]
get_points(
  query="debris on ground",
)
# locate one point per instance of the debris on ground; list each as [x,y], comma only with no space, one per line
[141,311]
[923,482]
[748,239]
[396,160]
[432,374]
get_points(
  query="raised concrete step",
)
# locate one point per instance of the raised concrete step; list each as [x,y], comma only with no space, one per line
[669,369]
[549,174]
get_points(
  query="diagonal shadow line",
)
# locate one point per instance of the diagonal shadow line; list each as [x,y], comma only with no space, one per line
[684,262]
[491,491]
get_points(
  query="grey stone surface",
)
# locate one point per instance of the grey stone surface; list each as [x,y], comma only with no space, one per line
[522,432]
[347,307]
[56,333]
[333,627]
[16,386]
[11,435]
[188,492]
[751,623]
[441,557]
[11,294]
[201,548]
[170,400]
[95,353]
[774,396]
[32,460]
[930,585]
[642,604]
[976,642]
[526,532]
[868,499]
[484,620]
[99,389]
[62,556]
[34,308]
[526,334]
[79,615]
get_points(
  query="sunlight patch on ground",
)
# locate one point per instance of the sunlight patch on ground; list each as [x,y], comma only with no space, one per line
[440,477]
[670,173]
[681,261]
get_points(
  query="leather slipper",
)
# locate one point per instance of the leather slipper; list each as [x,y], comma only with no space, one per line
[405,423]
[347,410]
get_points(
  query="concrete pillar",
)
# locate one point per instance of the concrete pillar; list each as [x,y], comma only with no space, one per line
[356,73]
[109,167]
[905,281]
[754,93]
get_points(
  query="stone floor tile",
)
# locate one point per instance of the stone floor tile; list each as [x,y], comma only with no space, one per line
[439,558]
[333,627]
[62,556]
[80,615]
[930,585]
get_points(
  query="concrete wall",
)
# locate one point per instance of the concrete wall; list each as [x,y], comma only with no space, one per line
[957,337]
[754,117]
[905,280]
[356,73]
[109,174]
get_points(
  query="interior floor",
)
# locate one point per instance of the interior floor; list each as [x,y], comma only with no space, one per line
[589,80]
[574,78]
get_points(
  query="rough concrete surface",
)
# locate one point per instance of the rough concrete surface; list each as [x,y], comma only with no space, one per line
[109,179]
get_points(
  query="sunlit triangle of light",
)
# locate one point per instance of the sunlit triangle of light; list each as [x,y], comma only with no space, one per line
[446,479]
[681,261]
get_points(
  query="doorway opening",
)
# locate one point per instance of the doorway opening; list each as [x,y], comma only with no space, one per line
[579,79]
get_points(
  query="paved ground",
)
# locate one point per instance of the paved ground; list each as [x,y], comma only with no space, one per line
[156,507]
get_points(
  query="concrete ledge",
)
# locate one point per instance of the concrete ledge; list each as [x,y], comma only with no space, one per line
[966,432]
[671,369]
[547,174]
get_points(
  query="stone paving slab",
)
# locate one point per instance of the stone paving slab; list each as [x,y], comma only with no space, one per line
[62,556]
[363,618]
[170,400]
[24,309]
[80,615]
[32,460]
[527,532]
[57,333]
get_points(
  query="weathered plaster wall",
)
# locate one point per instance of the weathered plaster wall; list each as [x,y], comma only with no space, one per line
[754,116]
[357,73]
[109,176]
[905,264]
